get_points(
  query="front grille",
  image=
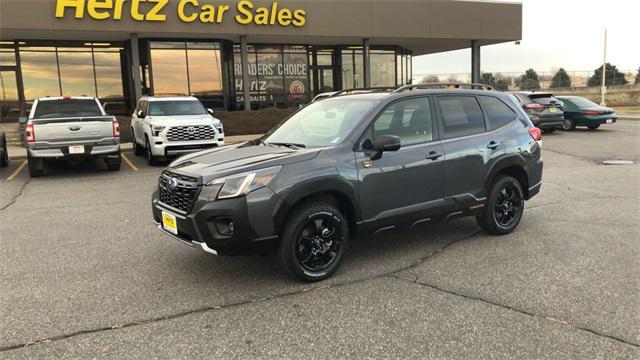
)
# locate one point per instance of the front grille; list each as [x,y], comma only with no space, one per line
[191,133]
[183,196]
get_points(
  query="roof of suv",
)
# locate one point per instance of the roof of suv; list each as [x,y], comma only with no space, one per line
[168,98]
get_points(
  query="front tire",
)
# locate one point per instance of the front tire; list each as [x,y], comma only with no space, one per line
[568,125]
[313,242]
[137,149]
[151,159]
[505,207]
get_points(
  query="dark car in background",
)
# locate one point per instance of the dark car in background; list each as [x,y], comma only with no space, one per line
[4,154]
[545,111]
[355,164]
[579,111]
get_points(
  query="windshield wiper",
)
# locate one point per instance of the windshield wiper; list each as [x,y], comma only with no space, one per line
[289,145]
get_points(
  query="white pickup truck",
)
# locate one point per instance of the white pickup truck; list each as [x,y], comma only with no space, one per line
[73,129]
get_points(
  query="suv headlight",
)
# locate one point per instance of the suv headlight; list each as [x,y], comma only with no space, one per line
[218,125]
[238,185]
[157,129]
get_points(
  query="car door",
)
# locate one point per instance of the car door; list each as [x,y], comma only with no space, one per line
[406,185]
[469,148]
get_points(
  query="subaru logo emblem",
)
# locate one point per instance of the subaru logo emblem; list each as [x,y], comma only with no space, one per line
[191,130]
[172,184]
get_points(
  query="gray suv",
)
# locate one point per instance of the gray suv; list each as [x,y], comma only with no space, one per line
[355,165]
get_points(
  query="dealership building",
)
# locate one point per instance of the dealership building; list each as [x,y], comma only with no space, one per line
[281,53]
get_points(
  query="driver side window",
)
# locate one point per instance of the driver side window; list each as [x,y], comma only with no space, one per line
[409,119]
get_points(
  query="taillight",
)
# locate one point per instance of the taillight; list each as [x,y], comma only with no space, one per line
[116,128]
[536,134]
[534,106]
[29,134]
[592,113]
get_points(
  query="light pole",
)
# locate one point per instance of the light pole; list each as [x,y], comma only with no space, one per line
[604,71]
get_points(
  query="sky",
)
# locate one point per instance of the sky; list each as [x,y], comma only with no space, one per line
[556,33]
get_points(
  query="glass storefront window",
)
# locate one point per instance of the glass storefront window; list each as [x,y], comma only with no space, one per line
[205,70]
[169,68]
[76,73]
[39,74]
[271,77]
[7,57]
[352,69]
[108,73]
[383,69]
[409,69]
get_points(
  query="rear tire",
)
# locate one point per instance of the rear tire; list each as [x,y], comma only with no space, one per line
[568,125]
[4,159]
[313,242]
[113,164]
[593,127]
[36,166]
[505,207]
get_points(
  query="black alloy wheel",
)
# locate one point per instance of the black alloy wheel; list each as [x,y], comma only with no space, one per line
[508,205]
[504,208]
[319,242]
[313,241]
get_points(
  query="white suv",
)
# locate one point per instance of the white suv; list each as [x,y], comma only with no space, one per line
[170,126]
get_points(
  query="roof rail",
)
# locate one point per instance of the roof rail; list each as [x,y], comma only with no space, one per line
[447,85]
[356,91]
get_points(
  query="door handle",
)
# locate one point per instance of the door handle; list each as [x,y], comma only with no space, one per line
[493,145]
[434,155]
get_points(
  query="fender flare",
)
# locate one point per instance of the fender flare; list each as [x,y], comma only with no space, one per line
[327,184]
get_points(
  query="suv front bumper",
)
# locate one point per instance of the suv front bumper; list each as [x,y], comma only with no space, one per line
[253,232]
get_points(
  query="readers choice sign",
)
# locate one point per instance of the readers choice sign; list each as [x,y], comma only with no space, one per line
[272,80]
[243,12]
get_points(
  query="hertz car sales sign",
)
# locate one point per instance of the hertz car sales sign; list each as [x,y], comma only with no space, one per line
[205,11]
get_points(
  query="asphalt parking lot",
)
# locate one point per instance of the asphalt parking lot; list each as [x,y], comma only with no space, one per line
[85,274]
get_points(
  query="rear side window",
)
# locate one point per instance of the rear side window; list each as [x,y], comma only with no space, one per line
[498,112]
[461,116]
[49,109]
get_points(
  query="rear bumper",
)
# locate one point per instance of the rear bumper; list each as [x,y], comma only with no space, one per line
[595,120]
[548,122]
[51,151]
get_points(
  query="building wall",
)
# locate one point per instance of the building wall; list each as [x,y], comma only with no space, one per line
[423,26]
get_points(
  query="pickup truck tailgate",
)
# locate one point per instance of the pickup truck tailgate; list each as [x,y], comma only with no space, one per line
[73,130]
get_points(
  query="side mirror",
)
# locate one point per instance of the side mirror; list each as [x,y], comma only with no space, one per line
[23,120]
[140,114]
[385,143]
[211,112]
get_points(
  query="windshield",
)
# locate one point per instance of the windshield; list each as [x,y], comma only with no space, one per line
[50,109]
[321,124]
[174,108]
[581,102]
